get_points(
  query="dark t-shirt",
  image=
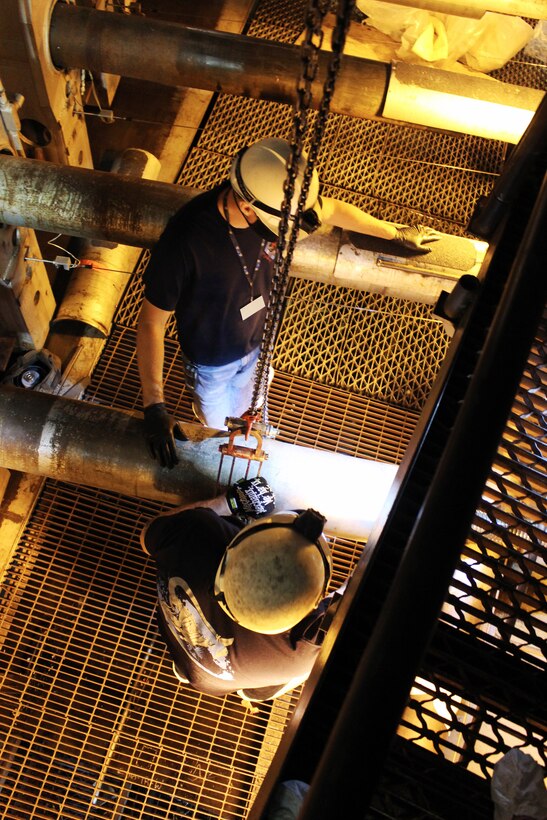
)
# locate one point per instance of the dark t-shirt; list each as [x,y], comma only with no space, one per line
[215,654]
[195,271]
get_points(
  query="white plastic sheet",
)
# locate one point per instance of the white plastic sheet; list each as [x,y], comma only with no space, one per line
[443,39]
[537,45]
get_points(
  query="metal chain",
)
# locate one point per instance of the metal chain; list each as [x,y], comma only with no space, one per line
[311,48]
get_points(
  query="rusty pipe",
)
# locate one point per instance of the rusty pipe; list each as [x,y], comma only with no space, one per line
[96,287]
[86,203]
[87,444]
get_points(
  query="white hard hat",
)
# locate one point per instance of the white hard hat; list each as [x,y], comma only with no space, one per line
[275,571]
[258,174]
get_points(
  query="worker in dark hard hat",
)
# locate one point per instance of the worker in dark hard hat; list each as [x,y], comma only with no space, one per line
[242,607]
[213,268]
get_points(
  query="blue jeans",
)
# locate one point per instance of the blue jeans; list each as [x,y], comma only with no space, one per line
[221,391]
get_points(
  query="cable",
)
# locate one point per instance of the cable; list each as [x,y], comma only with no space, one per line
[64,262]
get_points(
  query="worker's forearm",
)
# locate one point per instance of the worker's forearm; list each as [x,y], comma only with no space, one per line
[350,218]
[150,355]
[218,504]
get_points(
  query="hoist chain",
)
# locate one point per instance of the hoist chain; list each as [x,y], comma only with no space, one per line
[287,238]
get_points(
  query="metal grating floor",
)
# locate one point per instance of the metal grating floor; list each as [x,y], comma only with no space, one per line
[92,722]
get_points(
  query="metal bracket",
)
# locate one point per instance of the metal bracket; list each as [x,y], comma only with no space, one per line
[239,451]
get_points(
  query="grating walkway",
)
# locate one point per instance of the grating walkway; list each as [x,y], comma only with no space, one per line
[93,722]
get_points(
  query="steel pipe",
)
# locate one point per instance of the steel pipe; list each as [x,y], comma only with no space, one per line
[253,67]
[86,203]
[96,287]
[86,444]
[108,207]
[175,55]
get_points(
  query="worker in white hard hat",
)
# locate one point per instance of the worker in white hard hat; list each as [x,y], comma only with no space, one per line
[212,267]
[243,607]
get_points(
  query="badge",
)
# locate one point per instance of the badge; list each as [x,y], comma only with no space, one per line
[252,307]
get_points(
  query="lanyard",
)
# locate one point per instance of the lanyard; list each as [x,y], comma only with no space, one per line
[250,278]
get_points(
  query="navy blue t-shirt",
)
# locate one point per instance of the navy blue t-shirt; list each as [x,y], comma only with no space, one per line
[215,654]
[195,271]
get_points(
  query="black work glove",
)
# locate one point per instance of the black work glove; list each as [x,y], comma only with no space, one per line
[251,497]
[415,236]
[160,431]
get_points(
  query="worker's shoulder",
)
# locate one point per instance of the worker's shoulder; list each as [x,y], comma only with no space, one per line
[183,531]
[172,525]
